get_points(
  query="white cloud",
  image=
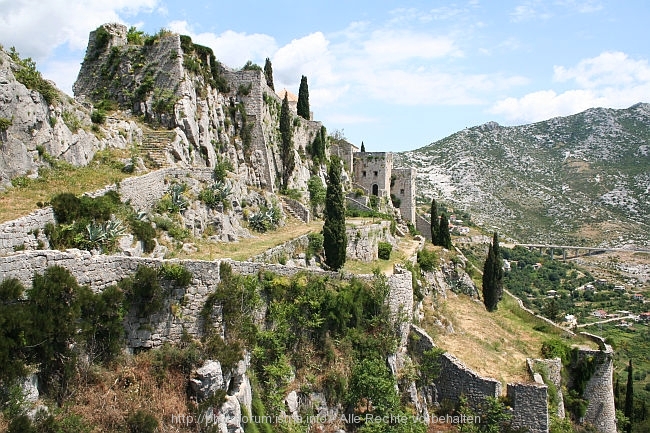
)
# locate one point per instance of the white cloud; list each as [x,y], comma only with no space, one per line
[231,48]
[611,79]
[529,11]
[608,69]
[37,27]
[396,46]
[63,73]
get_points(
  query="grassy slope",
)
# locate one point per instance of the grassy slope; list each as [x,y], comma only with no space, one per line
[102,171]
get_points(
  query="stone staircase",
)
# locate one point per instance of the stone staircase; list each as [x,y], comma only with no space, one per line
[288,209]
[155,145]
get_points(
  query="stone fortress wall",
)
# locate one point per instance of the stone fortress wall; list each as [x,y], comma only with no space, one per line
[181,313]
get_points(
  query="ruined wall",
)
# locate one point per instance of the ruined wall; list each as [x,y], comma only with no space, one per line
[182,307]
[25,232]
[404,189]
[423,226]
[363,242]
[599,390]
[529,402]
[345,151]
[455,378]
[373,168]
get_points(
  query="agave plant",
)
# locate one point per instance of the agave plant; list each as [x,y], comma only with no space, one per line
[113,229]
[179,202]
[95,235]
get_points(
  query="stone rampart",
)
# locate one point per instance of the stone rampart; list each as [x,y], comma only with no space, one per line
[363,242]
[599,390]
[26,232]
[455,378]
[529,402]
[181,312]
[423,226]
[287,250]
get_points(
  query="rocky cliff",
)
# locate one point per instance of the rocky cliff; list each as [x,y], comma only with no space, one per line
[215,113]
[39,123]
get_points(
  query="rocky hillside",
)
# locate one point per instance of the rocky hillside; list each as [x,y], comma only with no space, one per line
[39,124]
[582,179]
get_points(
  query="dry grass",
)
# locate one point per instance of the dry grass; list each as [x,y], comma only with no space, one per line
[20,201]
[115,393]
[250,247]
[492,344]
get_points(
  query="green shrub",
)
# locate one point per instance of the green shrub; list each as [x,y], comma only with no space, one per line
[142,422]
[556,348]
[374,202]
[71,121]
[221,170]
[427,260]
[315,246]
[383,250]
[144,232]
[176,273]
[5,124]
[134,36]
[98,116]
[143,291]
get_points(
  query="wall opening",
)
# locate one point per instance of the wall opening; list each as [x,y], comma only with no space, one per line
[375,189]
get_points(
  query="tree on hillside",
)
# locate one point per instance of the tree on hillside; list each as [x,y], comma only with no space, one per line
[444,237]
[286,149]
[363,147]
[335,240]
[629,398]
[303,99]
[268,73]
[318,146]
[435,222]
[493,276]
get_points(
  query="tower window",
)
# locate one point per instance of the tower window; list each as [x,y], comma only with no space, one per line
[376,173]
[401,191]
[363,173]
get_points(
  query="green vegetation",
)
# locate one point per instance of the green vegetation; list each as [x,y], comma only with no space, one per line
[317,193]
[286,148]
[334,236]
[216,195]
[427,259]
[265,219]
[492,275]
[31,78]
[435,222]
[383,250]
[444,237]
[5,124]
[303,99]
[268,73]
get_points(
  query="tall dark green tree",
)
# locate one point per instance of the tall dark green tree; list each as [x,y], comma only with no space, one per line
[14,319]
[335,240]
[629,398]
[363,147]
[493,276]
[435,222]
[444,237]
[286,149]
[318,146]
[268,73]
[303,99]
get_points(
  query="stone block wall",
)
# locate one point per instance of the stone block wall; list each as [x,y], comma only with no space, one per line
[25,232]
[423,226]
[455,378]
[373,168]
[529,402]
[300,210]
[599,391]
[182,307]
[404,189]
[363,242]
[553,368]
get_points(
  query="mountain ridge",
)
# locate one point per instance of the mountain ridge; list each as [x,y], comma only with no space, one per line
[581,179]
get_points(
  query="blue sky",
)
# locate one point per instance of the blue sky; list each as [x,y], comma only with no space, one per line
[396,75]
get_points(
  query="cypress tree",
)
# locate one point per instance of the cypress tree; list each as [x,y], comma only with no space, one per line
[286,150]
[334,238]
[363,148]
[444,237]
[629,398]
[268,73]
[493,276]
[303,99]
[435,222]
[498,266]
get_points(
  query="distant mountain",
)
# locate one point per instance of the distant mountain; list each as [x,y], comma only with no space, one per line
[581,180]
